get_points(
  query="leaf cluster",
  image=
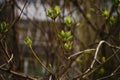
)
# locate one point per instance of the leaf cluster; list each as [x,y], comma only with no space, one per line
[53,13]
[65,36]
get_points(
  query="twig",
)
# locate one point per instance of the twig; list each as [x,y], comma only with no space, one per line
[37,58]
[16,19]
[97,50]
[2,77]
[78,53]
[84,75]
[5,52]
[10,58]
[72,60]
[117,57]
[91,70]
[95,57]
[107,21]
[115,70]
[7,61]
[2,7]
[103,78]
[75,2]
[17,74]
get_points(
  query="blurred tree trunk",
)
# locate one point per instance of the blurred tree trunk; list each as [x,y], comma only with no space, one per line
[7,15]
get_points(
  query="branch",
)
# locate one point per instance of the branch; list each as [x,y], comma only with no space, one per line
[7,61]
[111,11]
[111,75]
[17,74]
[91,69]
[16,19]
[37,58]
[79,53]
[75,2]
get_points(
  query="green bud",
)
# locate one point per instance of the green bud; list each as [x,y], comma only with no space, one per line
[68,45]
[103,59]
[68,21]
[3,27]
[57,10]
[106,14]
[112,20]
[101,71]
[28,41]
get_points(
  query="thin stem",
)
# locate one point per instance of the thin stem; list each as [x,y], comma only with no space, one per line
[37,58]
[56,29]
[16,74]
[92,68]
[78,53]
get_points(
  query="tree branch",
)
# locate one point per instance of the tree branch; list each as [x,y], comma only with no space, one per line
[17,74]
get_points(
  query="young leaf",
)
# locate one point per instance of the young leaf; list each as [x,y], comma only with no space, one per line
[57,10]
[53,13]
[112,20]
[68,45]
[103,59]
[3,27]
[101,71]
[49,13]
[68,21]
[65,36]
[28,41]
[68,35]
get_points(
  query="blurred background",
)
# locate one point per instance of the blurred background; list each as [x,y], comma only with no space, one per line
[92,21]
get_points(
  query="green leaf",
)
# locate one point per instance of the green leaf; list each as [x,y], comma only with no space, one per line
[68,21]
[61,35]
[28,41]
[3,27]
[68,35]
